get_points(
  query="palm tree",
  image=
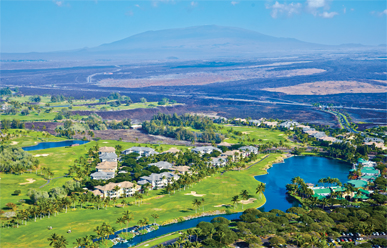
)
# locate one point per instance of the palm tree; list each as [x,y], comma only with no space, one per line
[128,217]
[53,239]
[155,216]
[121,220]
[61,242]
[314,241]
[260,188]
[196,203]
[244,195]
[202,202]
[298,238]
[78,242]
[235,200]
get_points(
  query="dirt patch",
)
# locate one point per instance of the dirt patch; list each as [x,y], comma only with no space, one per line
[215,194]
[30,180]
[41,155]
[247,132]
[224,182]
[232,185]
[158,209]
[250,200]
[193,193]
[330,87]
[14,143]
[159,196]
[222,205]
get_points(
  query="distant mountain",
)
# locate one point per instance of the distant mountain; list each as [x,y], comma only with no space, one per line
[199,42]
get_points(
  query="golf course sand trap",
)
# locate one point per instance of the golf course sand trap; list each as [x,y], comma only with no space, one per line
[222,205]
[250,200]
[41,155]
[105,142]
[30,180]
[247,132]
[194,194]
[14,143]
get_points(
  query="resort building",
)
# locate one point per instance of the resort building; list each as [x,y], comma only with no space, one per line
[377,145]
[101,175]
[230,154]
[106,149]
[219,161]
[108,157]
[107,166]
[205,149]
[366,163]
[358,183]
[158,180]
[372,139]
[122,189]
[249,150]
[270,124]
[255,122]
[141,151]
[289,124]
[369,171]
[181,169]
[162,165]
[172,150]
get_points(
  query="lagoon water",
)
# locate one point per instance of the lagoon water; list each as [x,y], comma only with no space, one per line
[311,169]
[46,145]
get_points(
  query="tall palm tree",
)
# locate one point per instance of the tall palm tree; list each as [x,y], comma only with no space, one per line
[196,204]
[128,217]
[235,200]
[78,242]
[244,195]
[121,220]
[155,216]
[53,238]
[298,238]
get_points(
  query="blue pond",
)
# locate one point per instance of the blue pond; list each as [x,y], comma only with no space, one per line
[311,169]
[46,145]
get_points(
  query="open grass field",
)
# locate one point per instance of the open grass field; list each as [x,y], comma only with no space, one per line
[159,240]
[218,190]
[261,135]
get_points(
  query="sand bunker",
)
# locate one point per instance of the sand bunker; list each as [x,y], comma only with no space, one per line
[330,87]
[41,155]
[105,142]
[247,132]
[250,200]
[194,194]
[222,205]
[157,209]
[30,180]
[14,143]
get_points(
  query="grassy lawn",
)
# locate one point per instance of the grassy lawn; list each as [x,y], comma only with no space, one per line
[30,138]
[218,190]
[77,106]
[263,134]
[160,240]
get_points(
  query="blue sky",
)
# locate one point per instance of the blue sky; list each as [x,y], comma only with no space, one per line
[52,25]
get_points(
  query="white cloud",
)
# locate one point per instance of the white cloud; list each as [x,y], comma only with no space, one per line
[194,4]
[155,3]
[315,4]
[345,10]
[137,5]
[376,13]
[58,3]
[129,13]
[352,9]
[278,9]
[328,14]
[234,3]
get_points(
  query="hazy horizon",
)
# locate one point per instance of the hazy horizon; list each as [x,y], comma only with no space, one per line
[69,25]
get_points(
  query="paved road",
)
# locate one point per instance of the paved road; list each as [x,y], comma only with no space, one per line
[49,180]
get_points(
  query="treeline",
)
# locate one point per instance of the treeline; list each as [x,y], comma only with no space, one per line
[16,160]
[296,227]
[174,126]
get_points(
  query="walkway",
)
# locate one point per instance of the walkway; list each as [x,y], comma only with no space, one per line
[257,162]
[49,180]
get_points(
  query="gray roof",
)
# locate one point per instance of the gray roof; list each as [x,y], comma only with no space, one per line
[162,165]
[102,175]
[249,148]
[371,139]
[155,177]
[288,124]
[205,149]
[108,155]
[215,161]
[308,129]
[319,135]
[140,150]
